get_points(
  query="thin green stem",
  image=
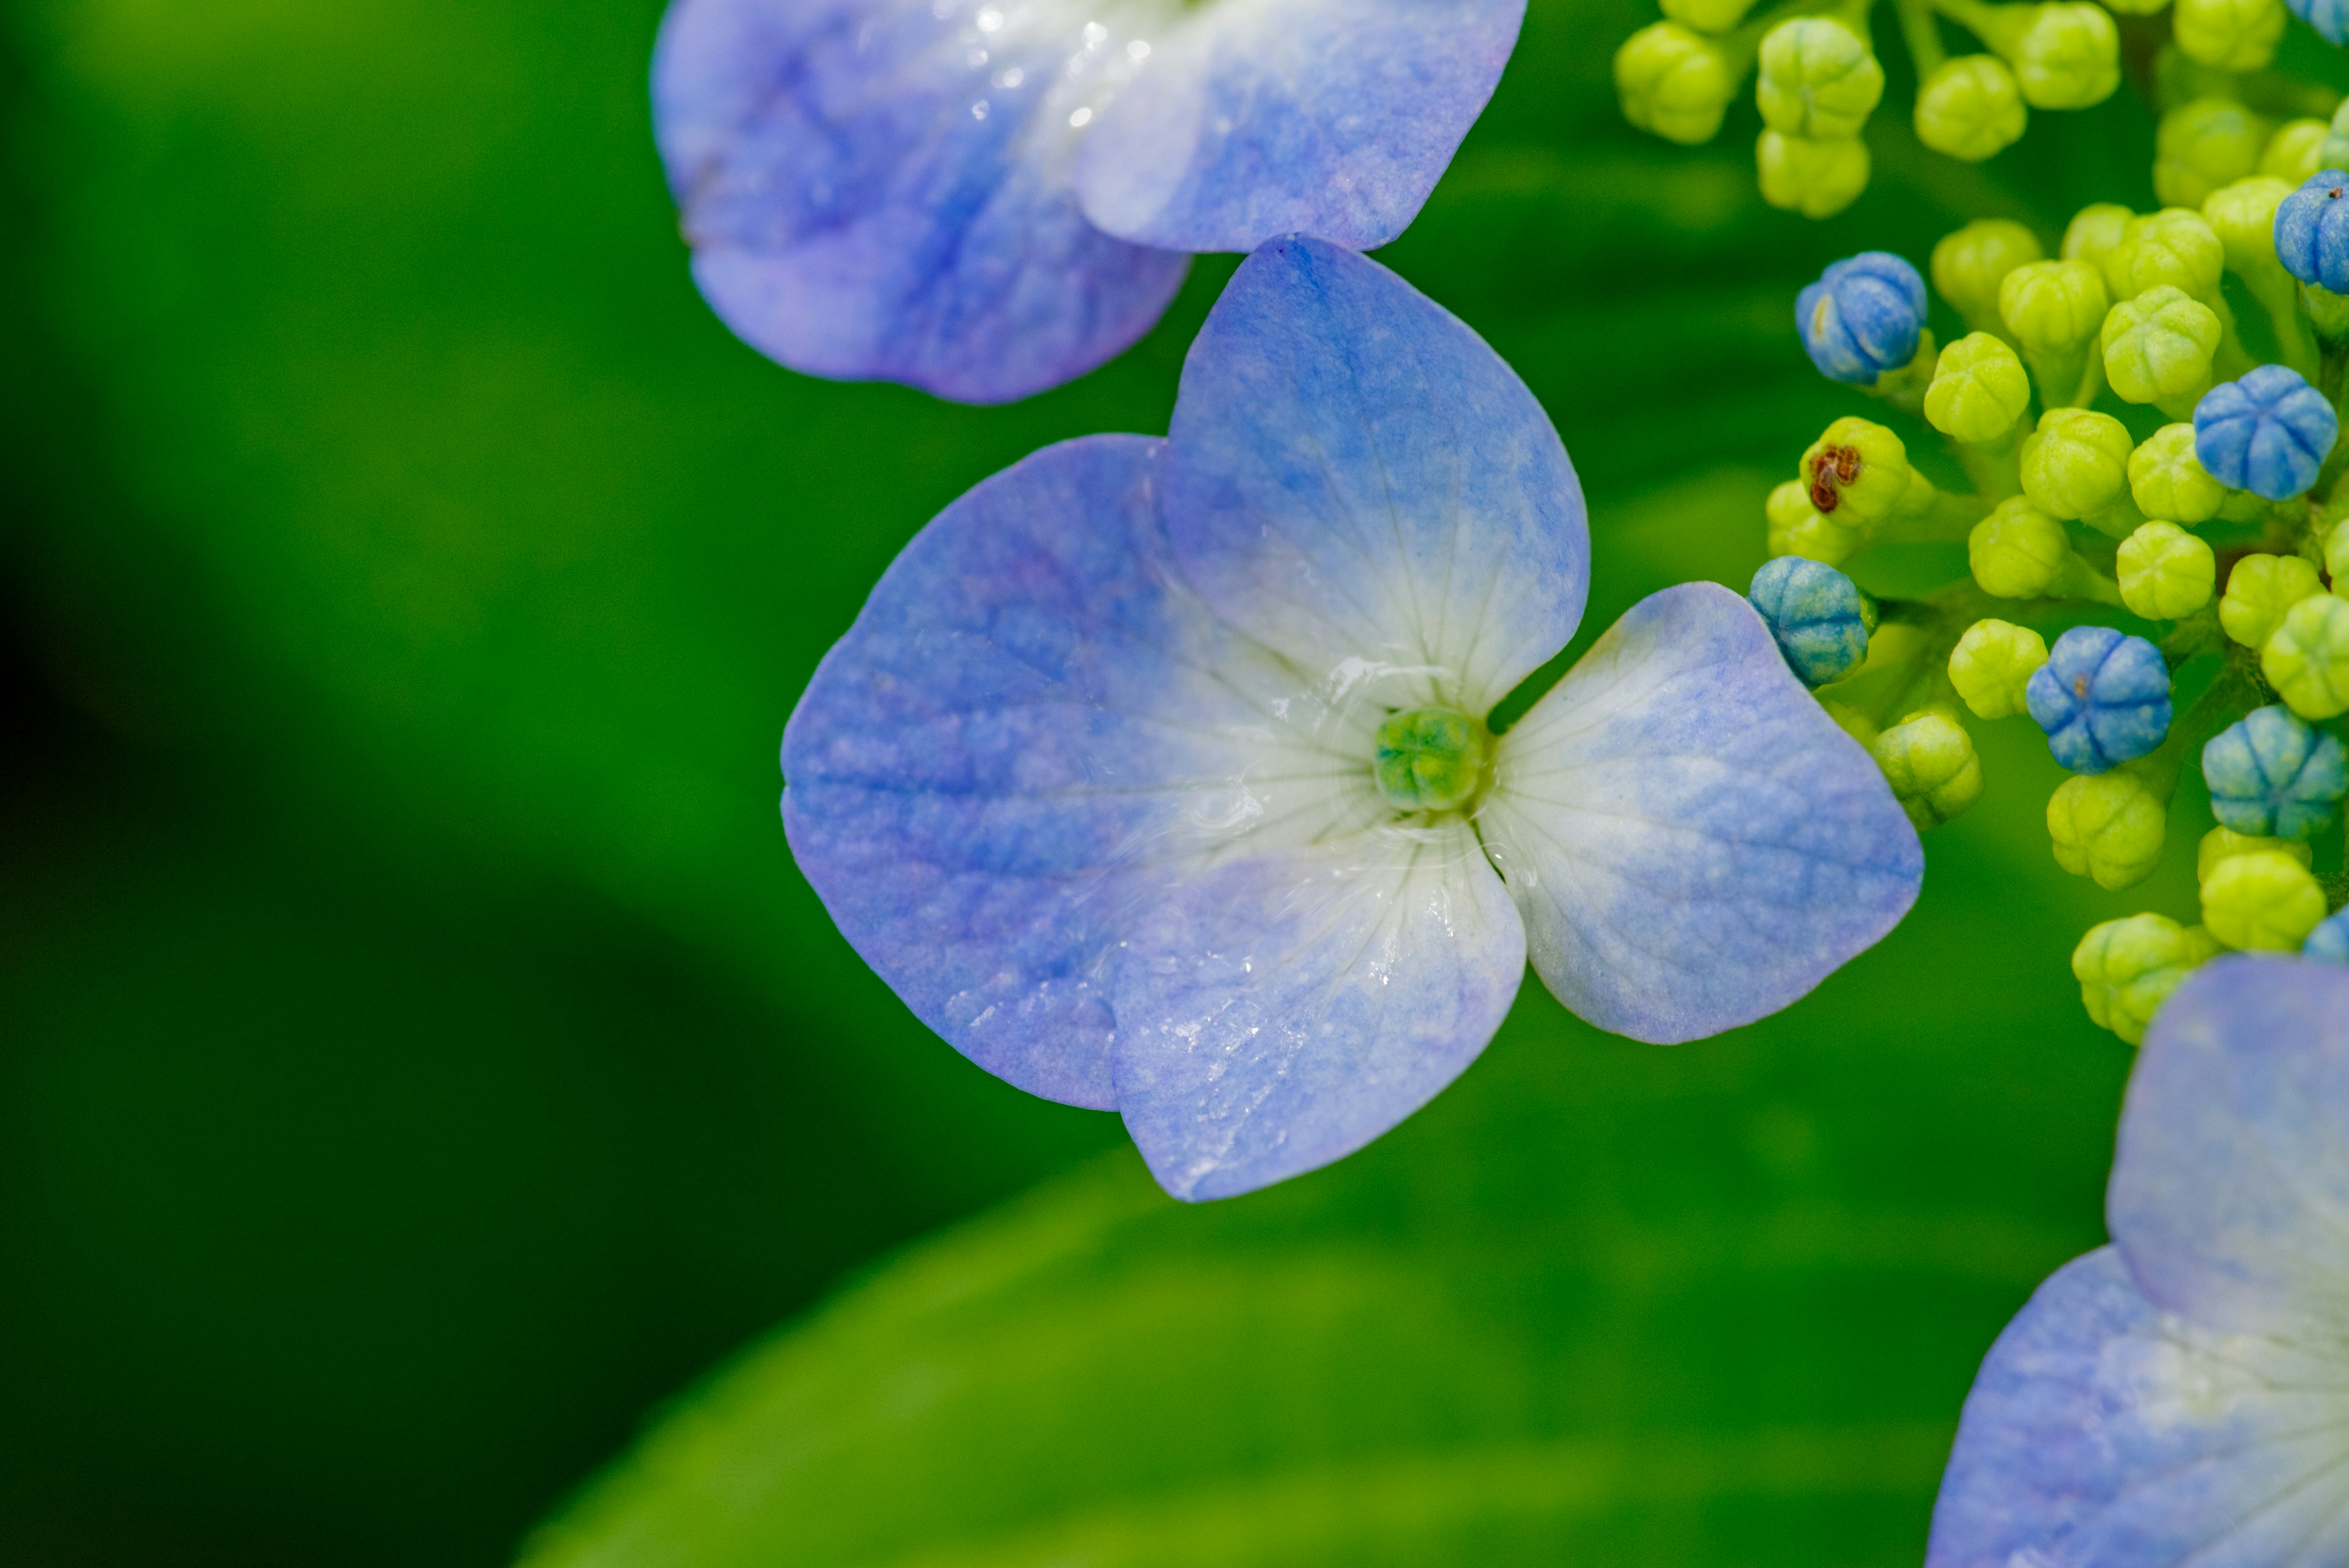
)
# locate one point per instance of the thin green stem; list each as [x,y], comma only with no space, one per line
[1922,35]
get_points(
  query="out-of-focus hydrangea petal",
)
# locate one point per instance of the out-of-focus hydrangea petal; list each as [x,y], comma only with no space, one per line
[1693,842]
[875,189]
[1031,735]
[1256,117]
[1290,1007]
[1356,479]
[2230,1195]
[2105,1431]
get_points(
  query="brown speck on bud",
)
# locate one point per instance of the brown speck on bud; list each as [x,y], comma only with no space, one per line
[1832,469]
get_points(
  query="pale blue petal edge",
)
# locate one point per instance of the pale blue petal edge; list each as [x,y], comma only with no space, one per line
[1258,117]
[866,200]
[1355,478]
[1693,843]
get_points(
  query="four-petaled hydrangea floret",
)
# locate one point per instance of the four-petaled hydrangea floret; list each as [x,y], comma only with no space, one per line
[1862,317]
[2169,482]
[1979,392]
[1929,758]
[2102,697]
[2158,349]
[2312,231]
[2127,968]
[1857,472]
[2268,433]
[1971,262]
[2108,826]
[1993,664]
[2307,658]
[1818,78]
[1971,108]
[2263,900]
[1819,618]
[1157,775]
[2274,775]
[2260,590]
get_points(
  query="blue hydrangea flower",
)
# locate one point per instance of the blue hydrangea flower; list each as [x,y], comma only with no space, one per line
[1155,775]
[2329,942]
[2267,433]
[2273,776]
[2182,1395]
[2103,698]
[1863,317]
[2329,17]
[1820,619]
[985,198]
[2312,231]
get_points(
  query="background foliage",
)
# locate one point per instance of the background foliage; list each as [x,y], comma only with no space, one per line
[420,1058]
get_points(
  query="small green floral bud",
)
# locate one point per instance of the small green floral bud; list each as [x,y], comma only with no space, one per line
[2336,556]
[2291,154]
[2017,553]
[2127,968]
[1979,389]
[2092,232]
[2075,462]
[2202,145]
[2221,842]
[2263,900]
[1972,108]
[1799,528]
[2065,54]
[1674,83]
[1928,760]
[1817,79]
[2306,658]
[2333,153]
[2166,573]
[2174,246]
[1708,15]
[1992,663]
[2158,348]
[2232,34]
[1856,472]
[1817,179]
[2051,307]
[2244,217]
[2109,826]
[2167,481]
[2260,590]
[1970,264]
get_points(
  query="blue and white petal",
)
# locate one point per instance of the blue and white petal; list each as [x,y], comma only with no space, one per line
[1258,117]
[885,189]
[2230,1195]
[2105,1432]
[1355,478]
[1290,1007]
[1693,843]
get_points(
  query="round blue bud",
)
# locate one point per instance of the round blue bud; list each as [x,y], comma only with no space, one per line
[2312,231]
[1819,616]
[2329,942]
[2274,775]
[1862,317]
[2267,433]
[2329,17]
[2103,698]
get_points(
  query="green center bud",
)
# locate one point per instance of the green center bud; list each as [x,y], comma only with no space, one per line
[2092,232]
[1673,82]
[2306,658]
[1818,79]
[2054,306]
[2260,591]
[2075,464]
[2232,34]
[2127,968]
[2333,152]
[2158,349]
[2066,55]
[1971,108]
[2292,153]
[1993,664]
[2109,826]
[1928,760]
[2017,552]
[1708,15]
[2166,573]
[2202,145]
[1799,528]
[1969,266]
[1817,179]
[1979,389]
[2264,900]
[2174,246]
[1431,759]
[2167,481]
[2244,217]
[1857,472]
[2222,842]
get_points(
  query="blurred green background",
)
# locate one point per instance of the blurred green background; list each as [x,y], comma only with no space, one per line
[419,1059]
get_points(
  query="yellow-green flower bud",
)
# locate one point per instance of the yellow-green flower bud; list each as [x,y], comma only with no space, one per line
[1970,264]
[1928,760]
[1993,664]
[2158,348]
[1707,15]
[1852,722]
[1799,528]
[2260,590]
[2052,307]
[2333,152]
[2232,34]
[2166,573]
[2174,246]
[1673,82]
[2221,842]
[2244,217]
[2202,145]
[2075,462]
[2109,826]
[2066,54]
[2127,968]
[2167,481]
[1971,108]
[1817,179]
[1979,389]
[2092,232]
[1857,472]
[2336,556]
[2263,900]
[2291,154]
[2016,552]
[1817,79]
[2306,658]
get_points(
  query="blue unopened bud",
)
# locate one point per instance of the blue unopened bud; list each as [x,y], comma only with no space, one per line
[2267,433]
[2329,17]
[2103,698]
[1818,615]
[2274,774]
[2312,231]
[2329,942]
[1862,317]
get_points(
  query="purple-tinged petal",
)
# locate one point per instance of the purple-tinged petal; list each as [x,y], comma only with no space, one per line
[1693,843]
[1354,478]
[1290,1007]
[2104,1432]
[1255,117]
[883,189]
[2230,1195]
